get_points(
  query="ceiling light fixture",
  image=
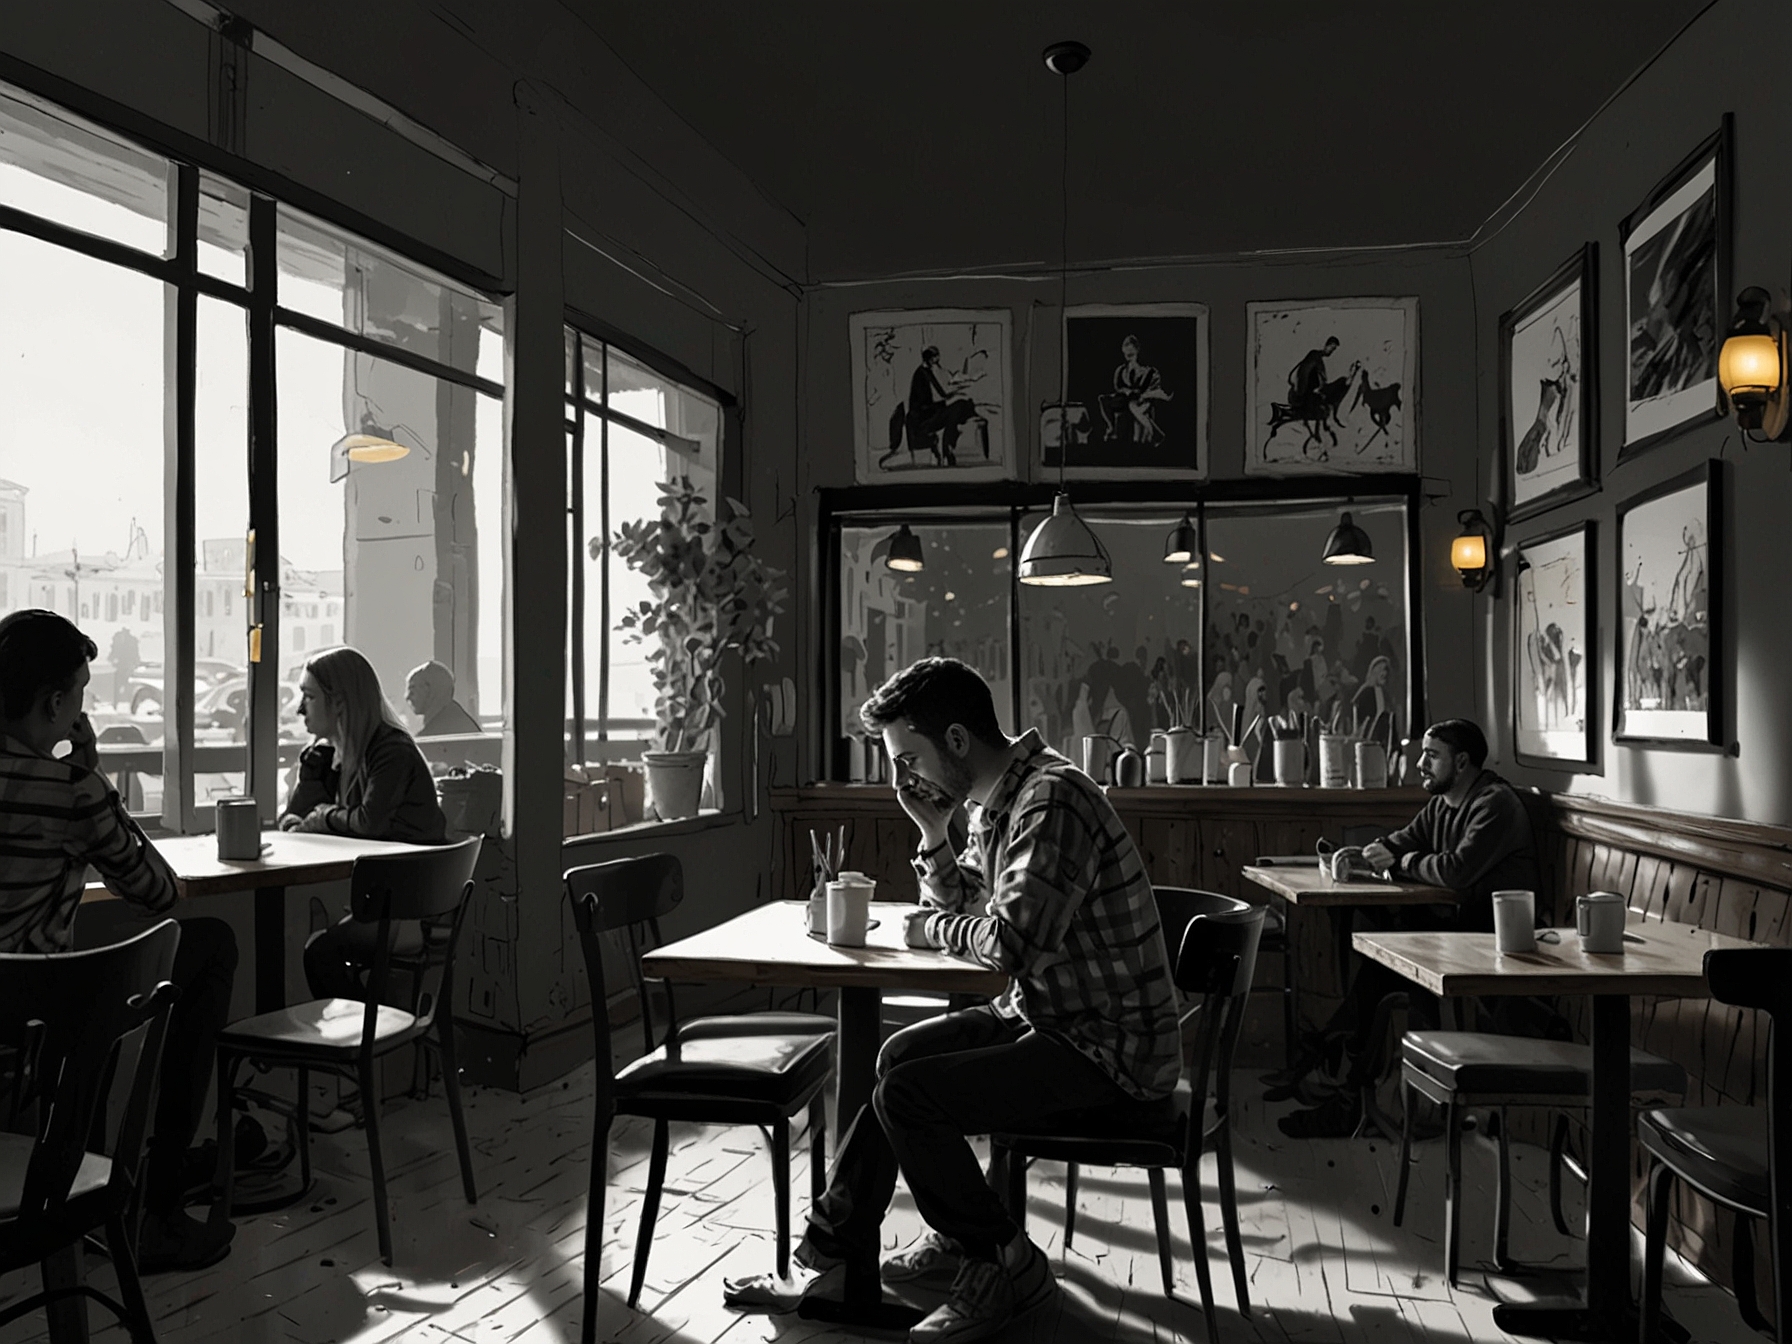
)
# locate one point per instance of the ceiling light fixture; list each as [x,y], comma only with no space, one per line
[905,552]
[1183,544]
[1063,551]
[1348,544]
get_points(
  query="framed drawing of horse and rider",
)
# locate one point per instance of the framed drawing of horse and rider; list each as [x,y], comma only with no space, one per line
[1554,658]
[1549,400]
[1135,390]
[1332,387]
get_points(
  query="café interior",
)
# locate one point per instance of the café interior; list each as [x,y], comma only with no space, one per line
[1237,391]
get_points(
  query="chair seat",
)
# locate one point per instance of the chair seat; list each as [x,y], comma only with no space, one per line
[1131,1133]
[756,1024]
[1721,1149]
[1481,1062]
[328,1027]
[775,1069]
[15,1155]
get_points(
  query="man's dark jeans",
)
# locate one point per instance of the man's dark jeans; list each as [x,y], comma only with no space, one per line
[963,1073]
[204,970]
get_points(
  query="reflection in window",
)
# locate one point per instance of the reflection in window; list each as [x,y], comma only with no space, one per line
[1287,633]
[957,606]
[61,168]
[1110,658]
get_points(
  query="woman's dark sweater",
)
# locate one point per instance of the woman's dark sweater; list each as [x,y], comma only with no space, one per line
[393,798]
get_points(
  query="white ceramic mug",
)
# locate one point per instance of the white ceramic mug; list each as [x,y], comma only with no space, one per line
[239,829]
[1371,765]
[1515,921]
[1334,761]
[849,910]
[1599,920]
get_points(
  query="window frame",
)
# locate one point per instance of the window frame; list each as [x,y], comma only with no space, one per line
[877,506]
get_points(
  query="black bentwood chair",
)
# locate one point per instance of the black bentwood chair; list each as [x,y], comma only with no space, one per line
[1216,938]
[755,1069]
[72,1017]
[346,1036]
[1736,1156]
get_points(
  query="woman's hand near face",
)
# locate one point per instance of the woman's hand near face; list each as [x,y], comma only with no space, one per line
[290,822]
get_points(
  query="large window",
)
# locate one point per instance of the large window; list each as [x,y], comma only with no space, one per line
[146,391]
[1255,618]
[629,429]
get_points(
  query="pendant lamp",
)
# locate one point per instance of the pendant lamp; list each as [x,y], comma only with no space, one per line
[1348,544]
[1063,551]
[1183,544]
[904,554]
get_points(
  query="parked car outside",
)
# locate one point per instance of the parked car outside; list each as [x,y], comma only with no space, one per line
[142,690]
[224,705]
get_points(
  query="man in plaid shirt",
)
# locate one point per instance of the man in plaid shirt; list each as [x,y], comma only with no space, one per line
[57,816]
[1050,889]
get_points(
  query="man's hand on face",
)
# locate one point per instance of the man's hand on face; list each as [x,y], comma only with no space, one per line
[84,750]
[914,929]
[1380,857]
[927,807]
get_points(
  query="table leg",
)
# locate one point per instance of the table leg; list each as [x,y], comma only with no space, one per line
[1608,1313]
[862,1303]
[270,949]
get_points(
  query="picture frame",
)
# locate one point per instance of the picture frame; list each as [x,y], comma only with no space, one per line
[1676,257]
[1549,389]
[1136,393]
[1671,681]
[1303,416]
[1555,664]
[932,395]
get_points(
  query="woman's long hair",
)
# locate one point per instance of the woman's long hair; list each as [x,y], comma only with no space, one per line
[352,689]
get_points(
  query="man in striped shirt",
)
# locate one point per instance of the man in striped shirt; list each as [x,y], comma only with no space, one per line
[57,817]
[1050,889]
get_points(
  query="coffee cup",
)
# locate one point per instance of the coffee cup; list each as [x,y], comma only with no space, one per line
[1599,920]
[849,910]
[1515,921]
[239,829]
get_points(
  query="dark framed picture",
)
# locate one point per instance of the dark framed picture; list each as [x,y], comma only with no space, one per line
[1135,381]
[1553,648]
[1676,282]
[1549,399]
[1670,600]
[931,398]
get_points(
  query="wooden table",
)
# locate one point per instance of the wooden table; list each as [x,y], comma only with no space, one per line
[770,945]
[1658,958]
[1299,882]
[289,859]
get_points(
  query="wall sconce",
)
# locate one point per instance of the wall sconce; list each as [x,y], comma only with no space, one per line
[370,443]
[1751,368]
[1472,552]
[1348,544]
[1182,544]
[905,552]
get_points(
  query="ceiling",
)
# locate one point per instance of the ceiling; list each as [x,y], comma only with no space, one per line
[926,136]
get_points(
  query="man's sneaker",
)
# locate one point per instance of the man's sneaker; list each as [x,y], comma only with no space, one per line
[1034,1285]
[178,1241]
[981,1305]
[1337,1118]
[767,1292]
[929,1256]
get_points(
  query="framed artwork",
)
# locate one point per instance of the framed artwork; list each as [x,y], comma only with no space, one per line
[1332,387]
[1553,649]
[932,398]
[1549,400]
[1135,380]
[1670,598]
[1676,282]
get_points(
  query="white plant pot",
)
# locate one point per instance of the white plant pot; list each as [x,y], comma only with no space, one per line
[674,783]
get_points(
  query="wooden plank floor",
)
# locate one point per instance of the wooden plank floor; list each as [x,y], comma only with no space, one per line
[1325,1263]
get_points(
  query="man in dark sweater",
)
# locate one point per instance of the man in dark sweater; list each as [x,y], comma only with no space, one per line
[1473,836]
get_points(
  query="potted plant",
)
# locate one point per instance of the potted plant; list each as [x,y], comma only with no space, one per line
[712,597]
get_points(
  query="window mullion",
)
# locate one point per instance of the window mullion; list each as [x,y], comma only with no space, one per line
[263,601]
[181,356]
[603,579]
[575,506]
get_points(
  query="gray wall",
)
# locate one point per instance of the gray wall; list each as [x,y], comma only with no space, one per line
[1637,140]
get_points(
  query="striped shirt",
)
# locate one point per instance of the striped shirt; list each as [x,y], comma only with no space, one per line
[55,820]
[1070,917]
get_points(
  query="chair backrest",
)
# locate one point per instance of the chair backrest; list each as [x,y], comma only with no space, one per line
[626,896]
[1761,977]
[1215,939]
[88,1027]
[432,885]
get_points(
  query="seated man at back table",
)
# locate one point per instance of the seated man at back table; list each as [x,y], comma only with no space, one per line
[1473,836]
[56,818]
[1089,1020]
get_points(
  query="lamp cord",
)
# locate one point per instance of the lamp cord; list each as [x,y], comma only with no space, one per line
[1064,284]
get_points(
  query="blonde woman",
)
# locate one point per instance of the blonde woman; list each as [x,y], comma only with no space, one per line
[363,776]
